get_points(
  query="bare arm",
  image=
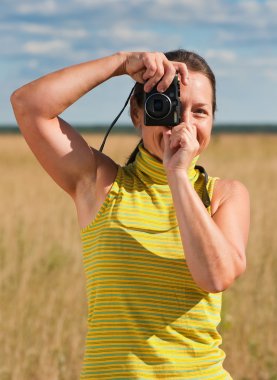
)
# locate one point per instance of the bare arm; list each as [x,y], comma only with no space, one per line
[59,148]
[214,246]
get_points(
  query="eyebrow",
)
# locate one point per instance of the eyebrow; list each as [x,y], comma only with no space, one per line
[201,104]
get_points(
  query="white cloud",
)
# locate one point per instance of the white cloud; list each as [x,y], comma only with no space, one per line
[271,5]
[264,66]
[250,6]
[238,38]
[47,30]
[264,62]
[124,34]
[259,35]
[35,29]
[188,12]
[42,7]
[33,64]
[96,3]
[271,74]
[214,12]
[46,47]
[227,56]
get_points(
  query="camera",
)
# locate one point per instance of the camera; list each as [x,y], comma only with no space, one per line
[163,108]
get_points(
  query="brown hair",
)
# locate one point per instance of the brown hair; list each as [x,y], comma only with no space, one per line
[194,62]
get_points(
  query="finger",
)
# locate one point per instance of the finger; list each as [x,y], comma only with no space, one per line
[175,140]
[179,127]
[160,70]
[187,128]
[180,133]
[138,77]
[188,138]
[150,66]
[192,129]
[167,78]
[183,72]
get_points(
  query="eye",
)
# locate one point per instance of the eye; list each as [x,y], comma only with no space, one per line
[200,111]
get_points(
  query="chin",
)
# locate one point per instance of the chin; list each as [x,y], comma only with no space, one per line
[158,155]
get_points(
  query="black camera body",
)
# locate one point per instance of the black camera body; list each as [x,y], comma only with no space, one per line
[163,108]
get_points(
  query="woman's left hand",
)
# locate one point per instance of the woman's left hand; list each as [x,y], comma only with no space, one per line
[180,147]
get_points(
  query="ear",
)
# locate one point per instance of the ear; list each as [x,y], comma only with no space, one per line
[135,112]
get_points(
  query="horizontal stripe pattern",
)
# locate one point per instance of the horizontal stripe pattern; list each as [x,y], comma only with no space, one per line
[147,319]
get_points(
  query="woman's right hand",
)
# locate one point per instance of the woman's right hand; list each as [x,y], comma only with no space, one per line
[153,67]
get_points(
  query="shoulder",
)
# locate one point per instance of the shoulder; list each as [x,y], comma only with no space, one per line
[106,167]
[90,194]
[228,191]
[106,170]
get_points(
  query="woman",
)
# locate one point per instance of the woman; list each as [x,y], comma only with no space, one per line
[161,241]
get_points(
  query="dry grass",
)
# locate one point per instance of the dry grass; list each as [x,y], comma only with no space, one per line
[43,304]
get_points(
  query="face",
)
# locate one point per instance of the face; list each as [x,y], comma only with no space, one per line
[196,109]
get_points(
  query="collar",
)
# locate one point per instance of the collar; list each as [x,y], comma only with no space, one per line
[153,168]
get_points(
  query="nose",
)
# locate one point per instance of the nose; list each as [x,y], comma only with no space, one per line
[186,117]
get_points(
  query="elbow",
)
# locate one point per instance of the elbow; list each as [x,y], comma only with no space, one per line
[18,101]
[225,279]
[216,286]
[14,98]
[23,99]
[23,106]
[220,286]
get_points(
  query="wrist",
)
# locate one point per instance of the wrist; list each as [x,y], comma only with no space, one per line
[174,175]
[121,57]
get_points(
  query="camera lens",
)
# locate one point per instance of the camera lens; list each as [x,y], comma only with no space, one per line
[158,106]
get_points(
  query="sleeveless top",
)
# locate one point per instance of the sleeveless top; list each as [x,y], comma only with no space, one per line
[147,318]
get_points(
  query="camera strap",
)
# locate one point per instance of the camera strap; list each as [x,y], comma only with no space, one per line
[205,195]
[115,120]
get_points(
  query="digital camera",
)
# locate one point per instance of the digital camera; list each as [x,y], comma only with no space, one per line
[163,108]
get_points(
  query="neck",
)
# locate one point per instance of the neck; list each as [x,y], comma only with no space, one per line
[153,168]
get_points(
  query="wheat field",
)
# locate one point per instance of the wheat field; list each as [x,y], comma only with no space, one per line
[42,284]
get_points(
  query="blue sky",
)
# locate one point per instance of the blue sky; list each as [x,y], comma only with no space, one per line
[238,39]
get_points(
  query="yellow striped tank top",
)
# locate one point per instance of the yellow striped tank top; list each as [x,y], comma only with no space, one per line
[147,319]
